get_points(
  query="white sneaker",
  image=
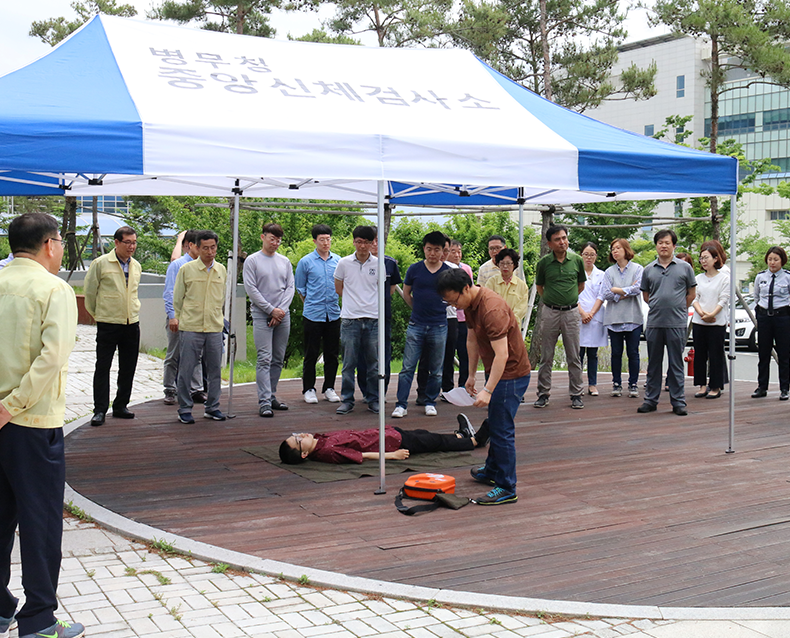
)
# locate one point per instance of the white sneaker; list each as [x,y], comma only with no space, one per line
[331,396]
[310,397]
[399,413]
[430,410]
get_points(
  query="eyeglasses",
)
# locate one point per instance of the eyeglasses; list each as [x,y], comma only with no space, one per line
[298,439]
[589,255]
[455,301]
[60,241]
[128,242]
[506,264]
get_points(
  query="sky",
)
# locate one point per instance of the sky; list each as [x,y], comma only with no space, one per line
[17,48]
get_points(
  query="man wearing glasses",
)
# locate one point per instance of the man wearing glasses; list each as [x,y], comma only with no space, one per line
[356,281]
[111,299]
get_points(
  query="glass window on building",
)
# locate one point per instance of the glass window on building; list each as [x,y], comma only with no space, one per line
[775,215]
[776,119]
[650,130]
[681,86]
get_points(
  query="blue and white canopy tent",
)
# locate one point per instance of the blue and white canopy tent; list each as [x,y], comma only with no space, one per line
[127,107]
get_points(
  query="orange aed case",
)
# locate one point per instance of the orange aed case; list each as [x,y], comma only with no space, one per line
[425,486]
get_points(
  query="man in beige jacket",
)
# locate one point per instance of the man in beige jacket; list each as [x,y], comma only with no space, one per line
[111,299]
[38,313]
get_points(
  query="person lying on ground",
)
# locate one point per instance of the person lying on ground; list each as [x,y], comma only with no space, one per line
[354,446]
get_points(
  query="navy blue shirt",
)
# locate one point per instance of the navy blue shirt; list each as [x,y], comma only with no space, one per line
[428,307]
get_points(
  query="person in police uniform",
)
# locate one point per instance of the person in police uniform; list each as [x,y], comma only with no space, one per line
[772,307]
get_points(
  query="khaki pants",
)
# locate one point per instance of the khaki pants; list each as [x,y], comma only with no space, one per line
[568,324]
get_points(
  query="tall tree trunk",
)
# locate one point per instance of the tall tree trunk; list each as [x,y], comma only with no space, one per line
[715,83]
[95,229]
[240,15]
[69,229]
[547,219]
[387,222]
[544,43]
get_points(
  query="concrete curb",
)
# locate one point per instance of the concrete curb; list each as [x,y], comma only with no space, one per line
[509,604]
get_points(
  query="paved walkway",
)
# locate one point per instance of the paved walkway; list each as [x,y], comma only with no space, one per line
[121,588]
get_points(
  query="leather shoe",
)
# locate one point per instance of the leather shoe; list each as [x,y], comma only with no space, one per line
[680,410]
[279,405]
[759,393]
[784,396]
[97,419]
[123,413]
[646,407]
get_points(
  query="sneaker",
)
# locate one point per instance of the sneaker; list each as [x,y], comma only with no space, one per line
[331,396]
[430,410]
[617,391]
[480,475]
[344,408]
[6,625]
[170,399]
[186,417]
[577,403]
[482,434]
[61,629]
[399,413]
[310,397]
[633,392]
[497,496]
[266,412]
[373,407]
[542,402]
[465,427]
[214,414]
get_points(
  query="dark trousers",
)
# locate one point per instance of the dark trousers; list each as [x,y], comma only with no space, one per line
[773,332]
[463,355]
[320,336]
[631,341]
[448,368]
[32,478]
[673,340]
[362,366]
[126,338]
[709,353]
[424,442]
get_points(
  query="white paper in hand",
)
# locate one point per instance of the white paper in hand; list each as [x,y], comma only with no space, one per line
[459,396]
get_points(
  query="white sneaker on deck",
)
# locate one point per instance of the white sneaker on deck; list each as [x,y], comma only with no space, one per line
[331,396]
[430,410]
[399,413]
[310,397]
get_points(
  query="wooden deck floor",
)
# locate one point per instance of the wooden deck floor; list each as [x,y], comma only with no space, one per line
[613,506]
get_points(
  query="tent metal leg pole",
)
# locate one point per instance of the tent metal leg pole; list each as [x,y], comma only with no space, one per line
[381,345]
[232,277]
[521,228]
[731,353]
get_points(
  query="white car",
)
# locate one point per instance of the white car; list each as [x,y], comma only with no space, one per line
[745,330]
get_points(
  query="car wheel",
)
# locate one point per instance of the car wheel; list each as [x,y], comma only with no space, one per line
[752,345]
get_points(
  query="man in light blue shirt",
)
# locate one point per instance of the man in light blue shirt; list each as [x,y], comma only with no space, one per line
[315,283]
[6,261]
[190,250]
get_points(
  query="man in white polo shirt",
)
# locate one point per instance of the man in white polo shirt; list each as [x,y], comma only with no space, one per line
[356,281]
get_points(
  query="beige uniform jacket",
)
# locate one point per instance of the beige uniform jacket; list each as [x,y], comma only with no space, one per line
[199,297]
[108,298]
[38,313]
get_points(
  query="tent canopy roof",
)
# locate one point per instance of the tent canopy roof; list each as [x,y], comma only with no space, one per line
[141,108]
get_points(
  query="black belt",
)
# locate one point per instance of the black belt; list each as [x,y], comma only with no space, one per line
[776,312]
[548,305]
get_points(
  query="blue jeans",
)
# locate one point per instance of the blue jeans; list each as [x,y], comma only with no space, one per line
[631,340]
[360,341]
[592,364]
[420,337]
[501,461]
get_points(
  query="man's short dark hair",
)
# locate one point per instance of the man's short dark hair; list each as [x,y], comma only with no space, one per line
[27,233]
[124,231]
[190,237]
[364,232]
[497,238]
[290,455]
[206,235]
[666,232]
[553,230]
[507,252]
[321,229]
[273,229]
[455,280]
[435,238]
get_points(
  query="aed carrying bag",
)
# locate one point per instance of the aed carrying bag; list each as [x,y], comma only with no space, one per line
[439,489]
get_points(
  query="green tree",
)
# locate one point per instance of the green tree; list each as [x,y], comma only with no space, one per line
[561,49]
[744,34]
[319,35]
[54,30]
[248,17]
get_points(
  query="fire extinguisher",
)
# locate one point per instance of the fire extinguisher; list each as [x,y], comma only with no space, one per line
[690,359]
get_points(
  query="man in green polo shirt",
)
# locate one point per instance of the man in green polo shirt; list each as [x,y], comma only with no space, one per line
[559,279]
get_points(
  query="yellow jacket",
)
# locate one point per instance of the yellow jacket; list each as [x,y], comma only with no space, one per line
[516,294]
[107,296]
[38,313]
[199,297]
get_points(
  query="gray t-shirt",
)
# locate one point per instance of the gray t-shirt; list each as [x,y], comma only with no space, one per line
[667,288]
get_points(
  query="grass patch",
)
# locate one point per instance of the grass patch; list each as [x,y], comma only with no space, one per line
[78,512]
